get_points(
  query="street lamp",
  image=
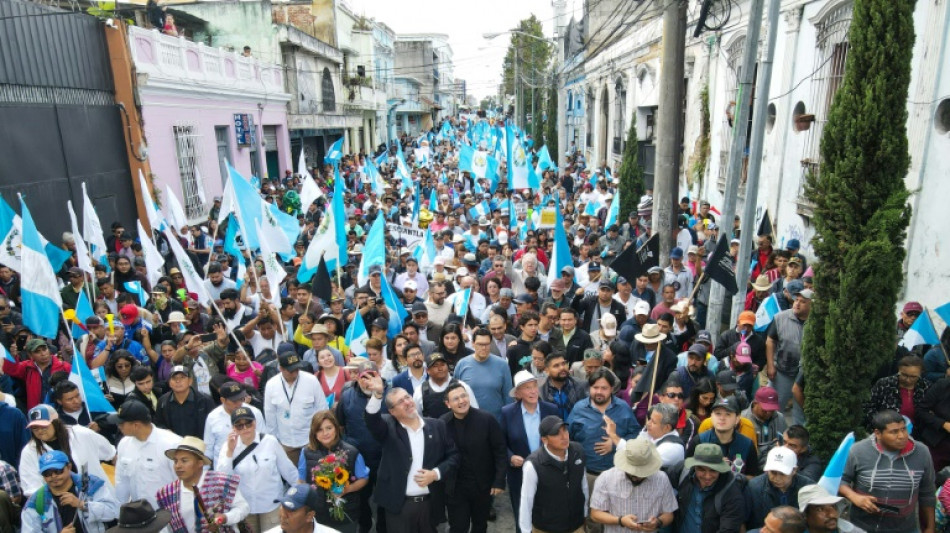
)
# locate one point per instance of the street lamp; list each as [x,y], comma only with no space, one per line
[517,81]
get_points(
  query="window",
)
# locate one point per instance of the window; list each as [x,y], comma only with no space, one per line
[590,118]
[832,53]
[188,152]
[329,96]
[620,114]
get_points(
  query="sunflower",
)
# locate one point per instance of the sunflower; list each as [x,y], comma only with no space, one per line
[342,476]
[324,482]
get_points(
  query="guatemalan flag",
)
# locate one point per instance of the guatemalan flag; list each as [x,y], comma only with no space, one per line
[89,390]
[461,303]
[42,305]
[335,153]
[921,332]
[831,479]
[481,209]
[397,311]
[767,311]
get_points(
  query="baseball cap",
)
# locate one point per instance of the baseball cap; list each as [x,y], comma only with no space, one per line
[130,411]
[699,350]
[593,267]
[704,336]
[807,294]
[299,496]
[794,287]
[41,416]
[410,285]
[290,361]
[418,308]
[608,324]
[642,308]
[781,459]
[558,285]
[551,425]
[128,314]
[729,403]
[380,323]
[524,298]
[913,307]
[232,391]
[747,318]
[54,460]
[676,253]
[607,283]
[816,495]
[434,358]
[567,270]
[242,413]
[375,269]
[743,352]
[767,398]
[462,271]
[365,366]
[727,380]
[179,369]
[793,244]
[34,344]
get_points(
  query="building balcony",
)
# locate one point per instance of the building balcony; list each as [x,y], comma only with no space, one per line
[291,35]
[411,106]
[177,64]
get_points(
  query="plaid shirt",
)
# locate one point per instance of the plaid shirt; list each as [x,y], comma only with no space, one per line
[9,481]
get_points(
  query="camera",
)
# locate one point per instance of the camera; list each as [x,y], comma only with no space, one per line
[379,301]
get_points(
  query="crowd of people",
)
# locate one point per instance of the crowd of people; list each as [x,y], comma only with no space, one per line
[596,402]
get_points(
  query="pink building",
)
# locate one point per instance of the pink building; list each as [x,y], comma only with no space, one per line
[202,105]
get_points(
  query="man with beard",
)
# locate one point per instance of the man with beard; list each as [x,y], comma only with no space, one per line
[572,340]
[695,368]
[482,454]
[634,494]
[559,387]
[586,423]
[438,308]
[235,313]
[413,376]
[428,330]
[595,306]
[217,283]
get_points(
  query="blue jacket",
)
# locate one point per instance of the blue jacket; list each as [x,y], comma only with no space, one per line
[102,507]
[13,433]
[349,411]
[402,380]
[586,425]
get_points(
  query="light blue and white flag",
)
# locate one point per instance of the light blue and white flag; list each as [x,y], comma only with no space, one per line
[921,332]
[592,208]
[92,230]
[6,354]
[517,162]
[561,255]
[176,214]
[375,178]
[11,231]
[339,221]
[462,301]
[374,251]
[831,479]
[83,311]
[136,288]
[613,214]
[544,159]
[767,311]
[82,251]
[271,229]
[42,304]
[155,219]
[356,335]
[154,262]
[335,153]
[433,201]
[193,280]
[89,390]
[309,191]
[944,312]
[481,209]
[397,311]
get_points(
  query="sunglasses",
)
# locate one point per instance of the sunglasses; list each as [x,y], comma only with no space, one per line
[675,395]
[55,472]
[243,425]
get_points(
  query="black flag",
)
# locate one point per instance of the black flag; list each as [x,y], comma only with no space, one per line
[633,262]
[765,226]
[321,282]
[720,266]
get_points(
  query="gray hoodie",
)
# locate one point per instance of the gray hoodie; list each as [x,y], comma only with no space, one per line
[905,481]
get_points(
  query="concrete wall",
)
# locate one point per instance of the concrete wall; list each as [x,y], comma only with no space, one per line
[235,25]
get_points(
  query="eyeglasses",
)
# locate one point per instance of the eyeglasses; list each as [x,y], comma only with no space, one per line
[54,472]
[908,377]
[243,425]
[675,395]
[3,307]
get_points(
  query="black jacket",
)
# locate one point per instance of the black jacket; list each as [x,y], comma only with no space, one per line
[732,511]
[730,339]
[666,365]
[482,453]
[573,349]
[587,307]
[932,411]
[186,419]
[440,452]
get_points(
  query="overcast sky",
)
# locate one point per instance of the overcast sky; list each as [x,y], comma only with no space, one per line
[477,60]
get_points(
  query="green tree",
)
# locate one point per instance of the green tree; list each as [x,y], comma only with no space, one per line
[550,130]
[861,217]
[533,55]
[630,173]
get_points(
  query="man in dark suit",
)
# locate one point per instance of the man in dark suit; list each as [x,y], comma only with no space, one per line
[428,330]
[481,472]
[519,424]
[573,340]
[591,307]
[412,446]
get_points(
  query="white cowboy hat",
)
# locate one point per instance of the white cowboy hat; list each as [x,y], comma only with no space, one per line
[651,334]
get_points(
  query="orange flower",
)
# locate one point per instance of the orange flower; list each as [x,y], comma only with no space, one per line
[324,482]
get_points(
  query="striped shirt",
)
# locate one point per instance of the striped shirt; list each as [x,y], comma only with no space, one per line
[614,494]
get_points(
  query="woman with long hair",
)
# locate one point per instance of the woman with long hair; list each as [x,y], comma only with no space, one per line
[539,357]
[331,376]
[451,346]
[118,371]
[397,357]
[493,290]
[701,399]
[84,447]
[124,273]
[326,438]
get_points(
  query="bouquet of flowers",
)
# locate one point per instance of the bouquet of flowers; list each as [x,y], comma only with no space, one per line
[331,475]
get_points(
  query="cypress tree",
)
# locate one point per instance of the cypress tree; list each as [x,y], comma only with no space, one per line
[630,173]
[550,130]
[861,217]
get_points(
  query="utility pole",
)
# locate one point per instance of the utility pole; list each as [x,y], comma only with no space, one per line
[755,155]
[669,126]
[734,170]
[516,86]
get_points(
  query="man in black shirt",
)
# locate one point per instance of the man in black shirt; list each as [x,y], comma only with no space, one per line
[183,409]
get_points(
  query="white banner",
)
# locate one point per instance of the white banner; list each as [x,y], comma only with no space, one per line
[409,236]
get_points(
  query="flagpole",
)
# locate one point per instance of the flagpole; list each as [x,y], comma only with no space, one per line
[939,340]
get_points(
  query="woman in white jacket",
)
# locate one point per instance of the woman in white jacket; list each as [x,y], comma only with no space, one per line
[83,446]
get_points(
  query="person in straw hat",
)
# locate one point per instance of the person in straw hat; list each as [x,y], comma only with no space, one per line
[634,494]
[222,505]
[649,345]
